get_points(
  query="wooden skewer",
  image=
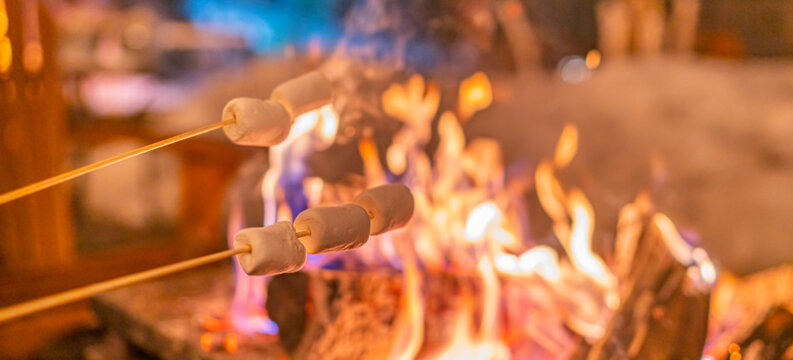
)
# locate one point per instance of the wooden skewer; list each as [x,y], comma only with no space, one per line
[55,180]
[29,307]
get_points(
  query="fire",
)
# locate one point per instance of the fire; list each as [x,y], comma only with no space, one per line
[464,345]
[476,94]
[540,259]
[518,292]
[580,244]
[231,343]
[480,220]
[567,147]
[206,342]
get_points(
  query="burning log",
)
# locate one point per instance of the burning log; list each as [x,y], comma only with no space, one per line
[332,314]
[664,315]
[772,339]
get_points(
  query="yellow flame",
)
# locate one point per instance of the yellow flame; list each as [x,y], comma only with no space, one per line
[330,123]
[464,346]
[32,57]
[206,341]
[6,54]
[476,94]
[629,229]
[231,343]
[479,221]
[543,260]
[413,311]
[396,158]
[552,198]
[707,270]
[678,247]
[373,171]
[414,102]
[580,248]
[566,147]
[451,135]
[3,18]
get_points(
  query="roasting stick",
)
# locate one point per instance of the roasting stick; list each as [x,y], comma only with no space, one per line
[247,122]
[55,180]
[273,249]
[69,296]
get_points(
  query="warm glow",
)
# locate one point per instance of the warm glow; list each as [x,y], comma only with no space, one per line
[206,342]
[330,122]
[580,247]
[32,57]
[678,247]
[566,147]
[212,324]
[414,103]
[3,18]
[593,59]
[707,270]
[464,346]
[451,134]
[373,171]
[396,159]
[410,325]
[542,260]
[231,343]
[476,94]
[629,228]
[552,198]
[479,221]
[5,54]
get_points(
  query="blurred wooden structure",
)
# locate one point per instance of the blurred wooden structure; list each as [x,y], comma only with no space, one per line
[38,246]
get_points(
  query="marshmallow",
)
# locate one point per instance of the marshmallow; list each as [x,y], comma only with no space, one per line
[303,93]
[274,249]
[333,228]
[390,206]
[257,122]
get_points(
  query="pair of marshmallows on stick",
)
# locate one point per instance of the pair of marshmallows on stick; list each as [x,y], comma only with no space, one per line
[282,247]
[260,122]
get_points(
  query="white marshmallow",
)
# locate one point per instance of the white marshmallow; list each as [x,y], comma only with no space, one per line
[304,93]
[274,249]
[257,122]
[333,228]
[390,206]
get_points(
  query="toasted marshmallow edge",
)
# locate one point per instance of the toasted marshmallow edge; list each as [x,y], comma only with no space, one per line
[391,206]
[275,249]
[303,93]
[333,228]
[257,122]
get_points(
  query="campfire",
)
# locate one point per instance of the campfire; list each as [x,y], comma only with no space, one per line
[465,279]
[481,249]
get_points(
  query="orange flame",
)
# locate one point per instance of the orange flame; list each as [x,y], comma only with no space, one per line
[231,343]
[566,147]
[480,220]
[206,342]
[476,94]
[678,247]
[373,171]
[580,244]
